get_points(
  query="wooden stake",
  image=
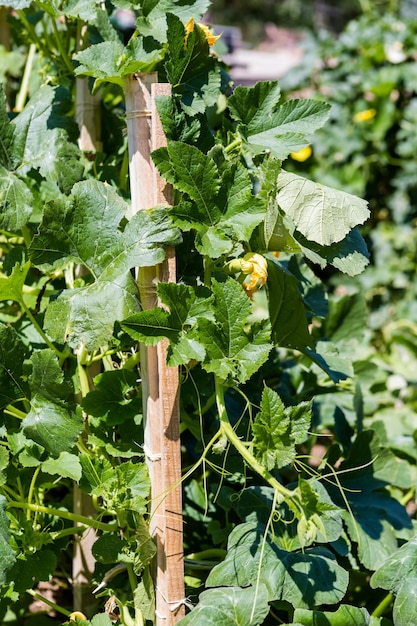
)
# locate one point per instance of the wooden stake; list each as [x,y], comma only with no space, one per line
[160,384]
[87,113]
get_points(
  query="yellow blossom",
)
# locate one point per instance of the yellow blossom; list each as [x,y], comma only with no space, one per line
[76,615]
[189,27]
[364,116]
[302,155]
[256,267]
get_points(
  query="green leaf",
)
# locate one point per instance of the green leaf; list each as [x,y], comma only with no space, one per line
[231,606]
[153,18]
[233,351]
[322,214]
[194,73]
[66,465]
[373,517]
[322,520]
[39,145]
[125,486]
[350,255]
[34,567]
[111,61]
[7,555]
[268,126]
[305,579]
[138,550]
[342,617]
[51,422]
[186,304]
[86,316]
[115,397]
[100,245]
[12,355]
[11,288]
[224,206]
[398,575]
[16,201]
[287,310]
[6,134]
[277,429]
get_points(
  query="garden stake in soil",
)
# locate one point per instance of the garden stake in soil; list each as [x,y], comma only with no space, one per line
[159,383]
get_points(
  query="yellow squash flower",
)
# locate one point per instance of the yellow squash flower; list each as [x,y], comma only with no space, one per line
[189,27]
[364,116]
[256,268]
[302,155]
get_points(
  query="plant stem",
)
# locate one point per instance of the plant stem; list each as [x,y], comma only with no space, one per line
[87,521]
[32,489]
[24,86]
[227,429]
[383,606]
[54,606]
[61,48]
[40,330]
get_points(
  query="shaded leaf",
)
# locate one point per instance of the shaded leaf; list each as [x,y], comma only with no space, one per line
[7,555]
[287,310]
[305,579]
[114,397]
[12,355]
[232,606]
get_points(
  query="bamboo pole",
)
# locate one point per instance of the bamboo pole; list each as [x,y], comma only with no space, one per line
[160,384]
[88,117]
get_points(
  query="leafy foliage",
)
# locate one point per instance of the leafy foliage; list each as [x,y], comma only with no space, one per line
[270,363]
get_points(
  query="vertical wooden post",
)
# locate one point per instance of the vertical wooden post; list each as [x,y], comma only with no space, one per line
[87,114]
[160,384]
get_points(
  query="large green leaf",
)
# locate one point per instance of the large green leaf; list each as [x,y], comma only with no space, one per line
[12,355]
[232,351]
[152,20]
[224,207]
[111,61]
[16,201]
[342,617]
[51,422]
[277,429]
[193,72]
[322,214]
[268,126]
[87,314]
[39,143]
[398,574]
[231,606]
[287,310]
[100,245]
[114,397]
[373,517]
[305,579]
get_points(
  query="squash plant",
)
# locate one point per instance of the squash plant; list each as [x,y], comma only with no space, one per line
[273,532]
